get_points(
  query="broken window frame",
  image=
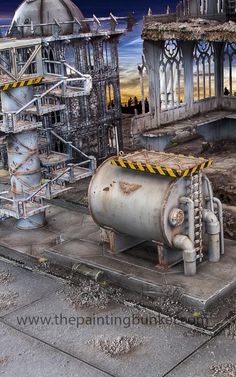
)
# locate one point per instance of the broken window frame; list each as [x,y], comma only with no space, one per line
[172,58]
[110,96]
[229,52]
[204,57]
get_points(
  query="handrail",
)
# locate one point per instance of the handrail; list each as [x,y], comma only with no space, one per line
[74,70]
[63,80]
[71,145]
[93,20]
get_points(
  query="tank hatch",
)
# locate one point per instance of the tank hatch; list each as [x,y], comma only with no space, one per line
[165,164]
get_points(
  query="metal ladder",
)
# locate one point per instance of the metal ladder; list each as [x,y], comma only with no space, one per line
[196,196]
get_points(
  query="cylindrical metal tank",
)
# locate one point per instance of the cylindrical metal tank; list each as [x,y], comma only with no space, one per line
[137,204]
[24,163]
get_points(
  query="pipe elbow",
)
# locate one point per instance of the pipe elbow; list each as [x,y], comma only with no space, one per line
[183,243]
[212,222]
[186,200]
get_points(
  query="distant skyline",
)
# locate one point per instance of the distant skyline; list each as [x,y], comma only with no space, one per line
[130,47]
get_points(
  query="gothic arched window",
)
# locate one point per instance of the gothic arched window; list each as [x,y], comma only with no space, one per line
[110,96]
[230,69]
[171,76]
[203,71]
[49,56]
[70,55]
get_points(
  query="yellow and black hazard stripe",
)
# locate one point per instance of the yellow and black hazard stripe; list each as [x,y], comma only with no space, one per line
[164,171]
[21,83]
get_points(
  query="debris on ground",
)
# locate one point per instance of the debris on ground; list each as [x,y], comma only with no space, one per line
[5,277]
[88,293]
[3,360]
[223,370]
[117,346]
[7,300]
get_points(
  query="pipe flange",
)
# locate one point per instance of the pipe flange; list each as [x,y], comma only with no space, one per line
[176,217]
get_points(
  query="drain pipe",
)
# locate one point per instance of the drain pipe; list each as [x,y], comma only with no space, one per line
[189,254]
[213,231]
[210,192]
[190,205]
[221,220]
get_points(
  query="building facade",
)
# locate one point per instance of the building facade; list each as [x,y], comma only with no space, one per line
[92,123]
[191,61]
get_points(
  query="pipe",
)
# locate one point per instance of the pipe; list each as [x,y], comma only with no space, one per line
[189,254]
[190,204]
[117,141]
[221,220]
[213,231]
[210,192]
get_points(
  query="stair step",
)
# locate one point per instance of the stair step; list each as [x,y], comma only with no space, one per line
[79,174]
[54,159]
[45,109]
[56,190]
[69,93]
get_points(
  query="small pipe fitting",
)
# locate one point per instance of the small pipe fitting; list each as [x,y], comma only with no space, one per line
[212,223]
[182,242]
[213,231]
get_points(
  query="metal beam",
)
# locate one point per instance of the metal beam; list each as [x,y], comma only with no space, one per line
[29,61]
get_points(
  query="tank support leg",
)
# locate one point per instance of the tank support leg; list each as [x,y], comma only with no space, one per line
[118,242]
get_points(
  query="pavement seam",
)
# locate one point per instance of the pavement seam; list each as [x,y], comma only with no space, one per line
[56,348]
[189,356]
[48,294]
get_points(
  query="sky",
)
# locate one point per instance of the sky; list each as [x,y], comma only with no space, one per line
[130,46]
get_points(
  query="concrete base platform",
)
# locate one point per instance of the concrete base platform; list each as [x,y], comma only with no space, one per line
[71,237]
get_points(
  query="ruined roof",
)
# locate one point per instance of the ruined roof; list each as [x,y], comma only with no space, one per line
[191,30]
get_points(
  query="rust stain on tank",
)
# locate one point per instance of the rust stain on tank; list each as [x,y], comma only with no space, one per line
[128,188]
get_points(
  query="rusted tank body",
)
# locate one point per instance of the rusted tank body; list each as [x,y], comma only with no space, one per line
[158,197]
[136,204]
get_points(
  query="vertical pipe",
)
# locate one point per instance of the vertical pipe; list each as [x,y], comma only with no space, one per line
[189,254]
[213,231]
[221,220]
[190,205]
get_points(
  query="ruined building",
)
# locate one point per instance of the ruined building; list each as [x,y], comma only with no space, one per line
[190,56]
[90,46]
[60,101]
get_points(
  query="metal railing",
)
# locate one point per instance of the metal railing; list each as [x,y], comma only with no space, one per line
[10,119]
[91,160]
[85,26]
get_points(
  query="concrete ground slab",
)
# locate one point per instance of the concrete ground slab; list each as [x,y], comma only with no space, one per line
[24,356]
[23,287]
[71,237]
[218,352]
[158,352]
